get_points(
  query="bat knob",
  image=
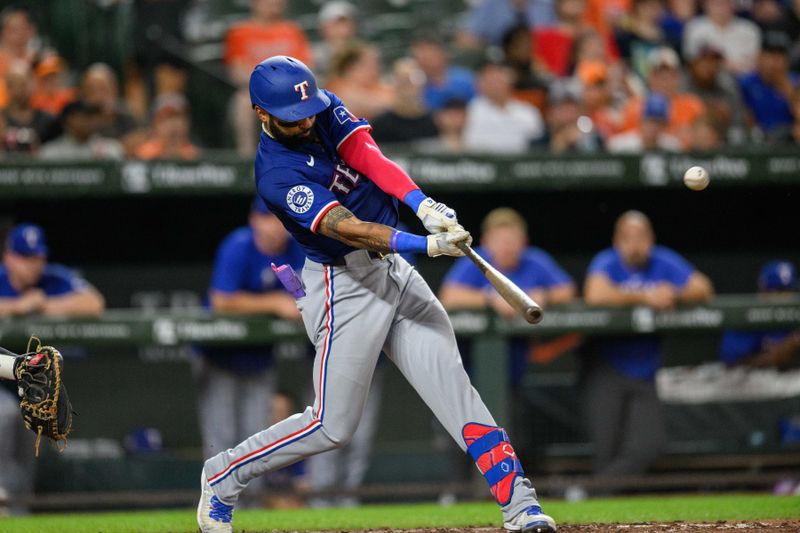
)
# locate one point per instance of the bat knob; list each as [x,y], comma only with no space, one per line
[534,314]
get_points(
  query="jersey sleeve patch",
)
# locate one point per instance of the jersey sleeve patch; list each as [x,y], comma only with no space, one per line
[343,115]
[288,192]
[339,123]
[300,199]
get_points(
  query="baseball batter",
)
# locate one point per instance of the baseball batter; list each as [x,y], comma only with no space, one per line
[321,173]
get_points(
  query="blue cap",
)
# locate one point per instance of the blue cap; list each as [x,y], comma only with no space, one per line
[27,239]
[656,106]
[286,88]
[778,276]
[259,206]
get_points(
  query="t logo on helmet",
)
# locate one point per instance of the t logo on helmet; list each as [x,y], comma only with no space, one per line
[301,88]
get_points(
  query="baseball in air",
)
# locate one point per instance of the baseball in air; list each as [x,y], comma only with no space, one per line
[696,178]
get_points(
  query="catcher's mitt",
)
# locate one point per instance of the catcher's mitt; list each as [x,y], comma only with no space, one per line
[44,403]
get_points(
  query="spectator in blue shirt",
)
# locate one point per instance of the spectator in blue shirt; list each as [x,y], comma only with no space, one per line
[623,410]
[767,92]
[31,285]
[442,81]
[236,384]
[771,348]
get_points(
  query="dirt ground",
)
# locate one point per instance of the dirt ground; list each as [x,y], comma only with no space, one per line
[768,526]
[782,526]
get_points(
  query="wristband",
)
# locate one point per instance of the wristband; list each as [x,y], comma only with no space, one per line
[403,242]
[414,198]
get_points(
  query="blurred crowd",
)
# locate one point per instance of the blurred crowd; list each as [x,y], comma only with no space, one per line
[514,76]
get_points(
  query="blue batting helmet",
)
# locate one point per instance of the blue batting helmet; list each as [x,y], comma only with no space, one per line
[778,276]
[285,88]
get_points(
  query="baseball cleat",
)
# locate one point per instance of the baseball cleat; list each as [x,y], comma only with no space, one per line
[531,520]
[213,516]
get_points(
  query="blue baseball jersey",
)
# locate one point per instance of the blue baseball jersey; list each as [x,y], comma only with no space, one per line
[637,357]
[536,270]
[240,266]
[738,345]
[300,185]
[56,280]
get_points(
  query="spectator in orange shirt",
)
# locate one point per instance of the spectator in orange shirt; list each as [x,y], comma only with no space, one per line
[651,134]
[356,79]
[530,83]
[596,98]
[664,77]
[51,93]
[247,44]
[604,15]
[170,135]
[17,33]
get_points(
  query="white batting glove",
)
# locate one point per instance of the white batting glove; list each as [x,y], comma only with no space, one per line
[457,227]
[446,243]
[436,216]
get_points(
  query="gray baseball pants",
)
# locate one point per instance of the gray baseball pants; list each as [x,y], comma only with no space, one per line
[17,461]
[344,468]
[352,313]
[231,406]
[625,420]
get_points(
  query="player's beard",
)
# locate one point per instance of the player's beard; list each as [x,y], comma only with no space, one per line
[291,141]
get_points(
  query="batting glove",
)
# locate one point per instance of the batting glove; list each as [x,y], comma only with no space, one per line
[436,216]
[447,243]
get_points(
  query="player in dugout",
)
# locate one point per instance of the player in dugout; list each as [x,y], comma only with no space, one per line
[319,170]
[29,285]
[618,373]
[236,384]
[766,349]
[504,244]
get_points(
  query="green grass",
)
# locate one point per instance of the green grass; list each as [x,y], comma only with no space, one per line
[623,510]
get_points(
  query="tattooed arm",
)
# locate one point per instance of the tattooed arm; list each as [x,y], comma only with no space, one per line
[340,224]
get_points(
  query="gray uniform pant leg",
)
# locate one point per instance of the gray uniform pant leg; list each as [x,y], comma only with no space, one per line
[345,468]
[347,314]
[423,346]
[17,459]
[625,420]
[231,406]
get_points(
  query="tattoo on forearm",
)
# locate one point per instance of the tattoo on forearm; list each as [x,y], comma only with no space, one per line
[332,220]
[369,235]
[376,238]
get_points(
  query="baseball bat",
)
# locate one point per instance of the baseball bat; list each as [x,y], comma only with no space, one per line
[519,300]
